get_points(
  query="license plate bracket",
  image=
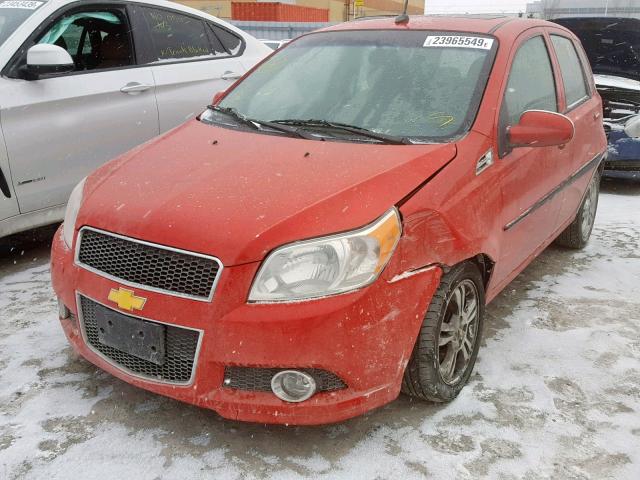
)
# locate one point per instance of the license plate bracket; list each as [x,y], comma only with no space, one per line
[142,339]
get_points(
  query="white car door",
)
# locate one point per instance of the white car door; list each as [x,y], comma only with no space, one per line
[8,202]
[191,58]
[58,129]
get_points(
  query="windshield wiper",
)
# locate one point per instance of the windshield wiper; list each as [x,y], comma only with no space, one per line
[258,124]
[237,116]
[365,132]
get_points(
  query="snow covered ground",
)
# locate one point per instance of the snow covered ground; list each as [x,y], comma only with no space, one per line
[555,394]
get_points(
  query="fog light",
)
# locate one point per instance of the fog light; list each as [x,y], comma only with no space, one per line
[293,386]
[63,311]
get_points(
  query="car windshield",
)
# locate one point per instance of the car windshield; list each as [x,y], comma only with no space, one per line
[418,85]
[13,13]
[612,44]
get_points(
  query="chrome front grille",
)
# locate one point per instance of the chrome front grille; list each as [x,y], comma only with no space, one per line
[259,379]
[150,266]
[181,349]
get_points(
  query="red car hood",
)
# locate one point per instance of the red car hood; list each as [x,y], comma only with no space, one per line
[238,195]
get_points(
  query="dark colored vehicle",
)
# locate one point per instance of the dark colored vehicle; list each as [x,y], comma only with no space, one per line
[613,48]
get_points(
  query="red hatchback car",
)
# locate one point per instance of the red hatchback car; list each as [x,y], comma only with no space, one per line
[330,231]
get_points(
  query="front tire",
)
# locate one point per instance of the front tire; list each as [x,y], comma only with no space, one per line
[577,234]
[447,345]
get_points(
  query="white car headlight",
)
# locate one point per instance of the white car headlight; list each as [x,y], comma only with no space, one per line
[328,265]
[70,216]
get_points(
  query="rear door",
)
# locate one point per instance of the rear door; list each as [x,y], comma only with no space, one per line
[530,176]
[59,129]
[191,59]
[583,107]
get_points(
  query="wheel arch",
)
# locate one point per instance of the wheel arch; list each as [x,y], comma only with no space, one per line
[483,262]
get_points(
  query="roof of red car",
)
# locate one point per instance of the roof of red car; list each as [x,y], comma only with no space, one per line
[466,23]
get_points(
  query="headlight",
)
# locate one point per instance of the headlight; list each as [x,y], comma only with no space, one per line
[70,216]
[328,265]
[632,127]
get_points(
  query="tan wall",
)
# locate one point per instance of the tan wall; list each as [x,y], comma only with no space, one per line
[217,8]
[382,7]
[335,7]
[222,8]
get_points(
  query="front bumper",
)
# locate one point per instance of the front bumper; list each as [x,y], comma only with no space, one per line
[623,153]
[364,337]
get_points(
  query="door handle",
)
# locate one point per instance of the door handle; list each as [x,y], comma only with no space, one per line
[229,75]
[596,116]
[134,88]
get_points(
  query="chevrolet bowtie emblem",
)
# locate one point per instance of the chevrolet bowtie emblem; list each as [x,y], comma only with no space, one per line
[126,299]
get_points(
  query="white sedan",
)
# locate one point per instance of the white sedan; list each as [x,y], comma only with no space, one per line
[275,44]
[82,82]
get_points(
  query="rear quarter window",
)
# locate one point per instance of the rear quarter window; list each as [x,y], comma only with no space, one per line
[231,42]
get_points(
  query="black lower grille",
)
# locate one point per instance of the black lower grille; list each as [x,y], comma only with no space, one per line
[147,265]
[259,379]
[628,166]
[180,346]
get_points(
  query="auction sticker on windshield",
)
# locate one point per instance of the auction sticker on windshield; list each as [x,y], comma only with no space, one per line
[26,5]
[458,41]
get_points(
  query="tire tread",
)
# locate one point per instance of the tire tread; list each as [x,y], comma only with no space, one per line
[571,237]
[421,378]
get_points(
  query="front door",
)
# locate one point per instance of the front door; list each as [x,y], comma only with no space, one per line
[8,202]
[59,129]
[531,175]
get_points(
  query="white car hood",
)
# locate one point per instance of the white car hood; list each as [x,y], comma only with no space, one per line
[617,82]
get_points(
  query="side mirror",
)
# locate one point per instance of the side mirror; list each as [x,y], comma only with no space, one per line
[538,128]
[217,97]
[45,59]
[632,128]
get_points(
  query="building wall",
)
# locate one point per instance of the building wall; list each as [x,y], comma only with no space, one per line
[278,30]
[217,8]
[276,11]
[584,8]
[337,8]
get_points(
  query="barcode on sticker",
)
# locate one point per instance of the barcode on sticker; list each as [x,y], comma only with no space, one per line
[458,41]
[20,4]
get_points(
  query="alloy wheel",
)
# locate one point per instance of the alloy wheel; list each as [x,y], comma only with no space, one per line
[458,332]
[589,209]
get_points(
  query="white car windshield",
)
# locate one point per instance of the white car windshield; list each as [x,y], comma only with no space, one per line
[422,85]
[13,13]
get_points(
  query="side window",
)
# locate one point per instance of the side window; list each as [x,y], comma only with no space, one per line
[575,87]
[177,37]
[231,42]
[70,39]
[217,47]
[94,39]
[531,83]
[531,86]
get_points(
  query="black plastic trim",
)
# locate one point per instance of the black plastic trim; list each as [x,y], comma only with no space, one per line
[4,186]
